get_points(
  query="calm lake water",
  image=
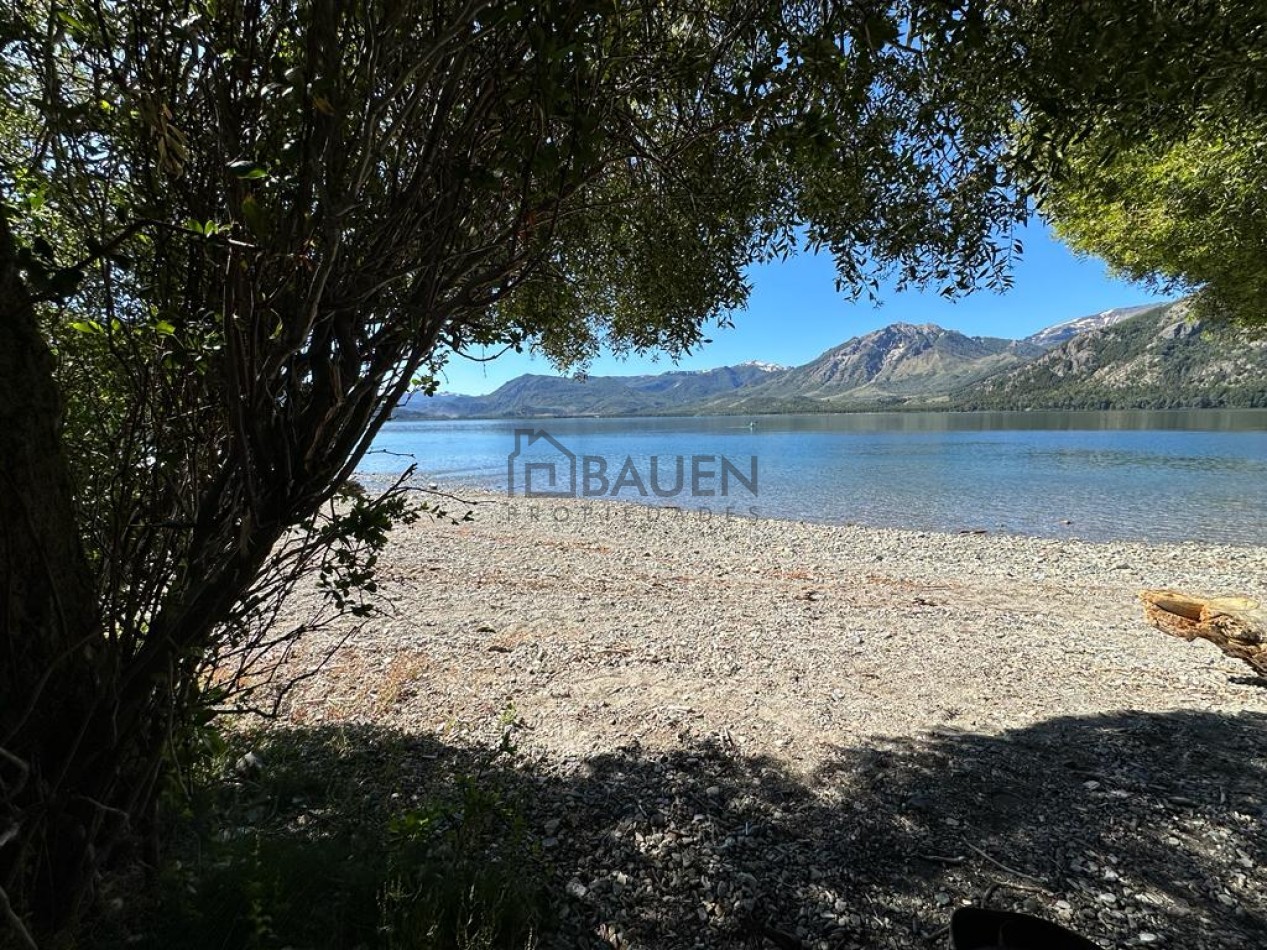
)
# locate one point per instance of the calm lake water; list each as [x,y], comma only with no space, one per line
[1174,476]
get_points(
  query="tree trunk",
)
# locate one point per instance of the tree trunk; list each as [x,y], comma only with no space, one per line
[51,647]
[1236,625]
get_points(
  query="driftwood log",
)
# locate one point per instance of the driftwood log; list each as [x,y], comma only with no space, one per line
[1236,625]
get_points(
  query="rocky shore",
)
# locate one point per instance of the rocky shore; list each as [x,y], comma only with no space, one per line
[739,732]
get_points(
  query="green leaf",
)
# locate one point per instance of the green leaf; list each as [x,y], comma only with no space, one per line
[76,26]
[256,216]
[247,170]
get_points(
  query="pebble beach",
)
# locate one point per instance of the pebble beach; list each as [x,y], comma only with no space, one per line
[739,730]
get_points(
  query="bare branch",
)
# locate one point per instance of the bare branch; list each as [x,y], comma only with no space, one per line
[15,922]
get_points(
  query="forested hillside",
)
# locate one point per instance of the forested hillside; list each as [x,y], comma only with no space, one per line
[1160,359]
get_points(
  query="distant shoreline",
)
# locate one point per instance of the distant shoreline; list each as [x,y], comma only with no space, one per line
[407,416]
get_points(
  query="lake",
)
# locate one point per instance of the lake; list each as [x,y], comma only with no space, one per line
[1198,475]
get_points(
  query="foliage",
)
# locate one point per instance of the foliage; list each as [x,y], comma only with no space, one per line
[1140,132]
[1182,214]
[300,838]
[1123,72]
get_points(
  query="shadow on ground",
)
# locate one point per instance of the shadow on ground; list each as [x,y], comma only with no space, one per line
[1134,829]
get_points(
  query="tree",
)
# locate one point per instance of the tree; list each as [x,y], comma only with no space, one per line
[233,235]
[1140,134]
[1187,214]
[1120,71]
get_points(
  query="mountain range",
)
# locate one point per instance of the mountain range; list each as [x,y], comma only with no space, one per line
[1128,357]
[1159,359]
[540,395]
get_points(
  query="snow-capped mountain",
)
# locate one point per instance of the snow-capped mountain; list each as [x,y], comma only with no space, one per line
[1054,336]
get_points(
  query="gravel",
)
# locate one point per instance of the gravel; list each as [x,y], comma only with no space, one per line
[767,733]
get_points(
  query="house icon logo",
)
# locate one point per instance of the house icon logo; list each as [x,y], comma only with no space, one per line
[540,466]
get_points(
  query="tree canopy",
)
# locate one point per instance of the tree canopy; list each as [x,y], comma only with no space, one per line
[1187,214]
[1140,133]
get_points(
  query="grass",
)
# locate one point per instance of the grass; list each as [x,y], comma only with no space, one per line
[324,839]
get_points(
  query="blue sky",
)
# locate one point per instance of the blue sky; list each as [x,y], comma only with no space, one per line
[795,313]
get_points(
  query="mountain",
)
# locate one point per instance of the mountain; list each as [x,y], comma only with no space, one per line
[1151,357]
[538,395]
[1158,358]
[440,406]
[894,364]
[1054,336]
